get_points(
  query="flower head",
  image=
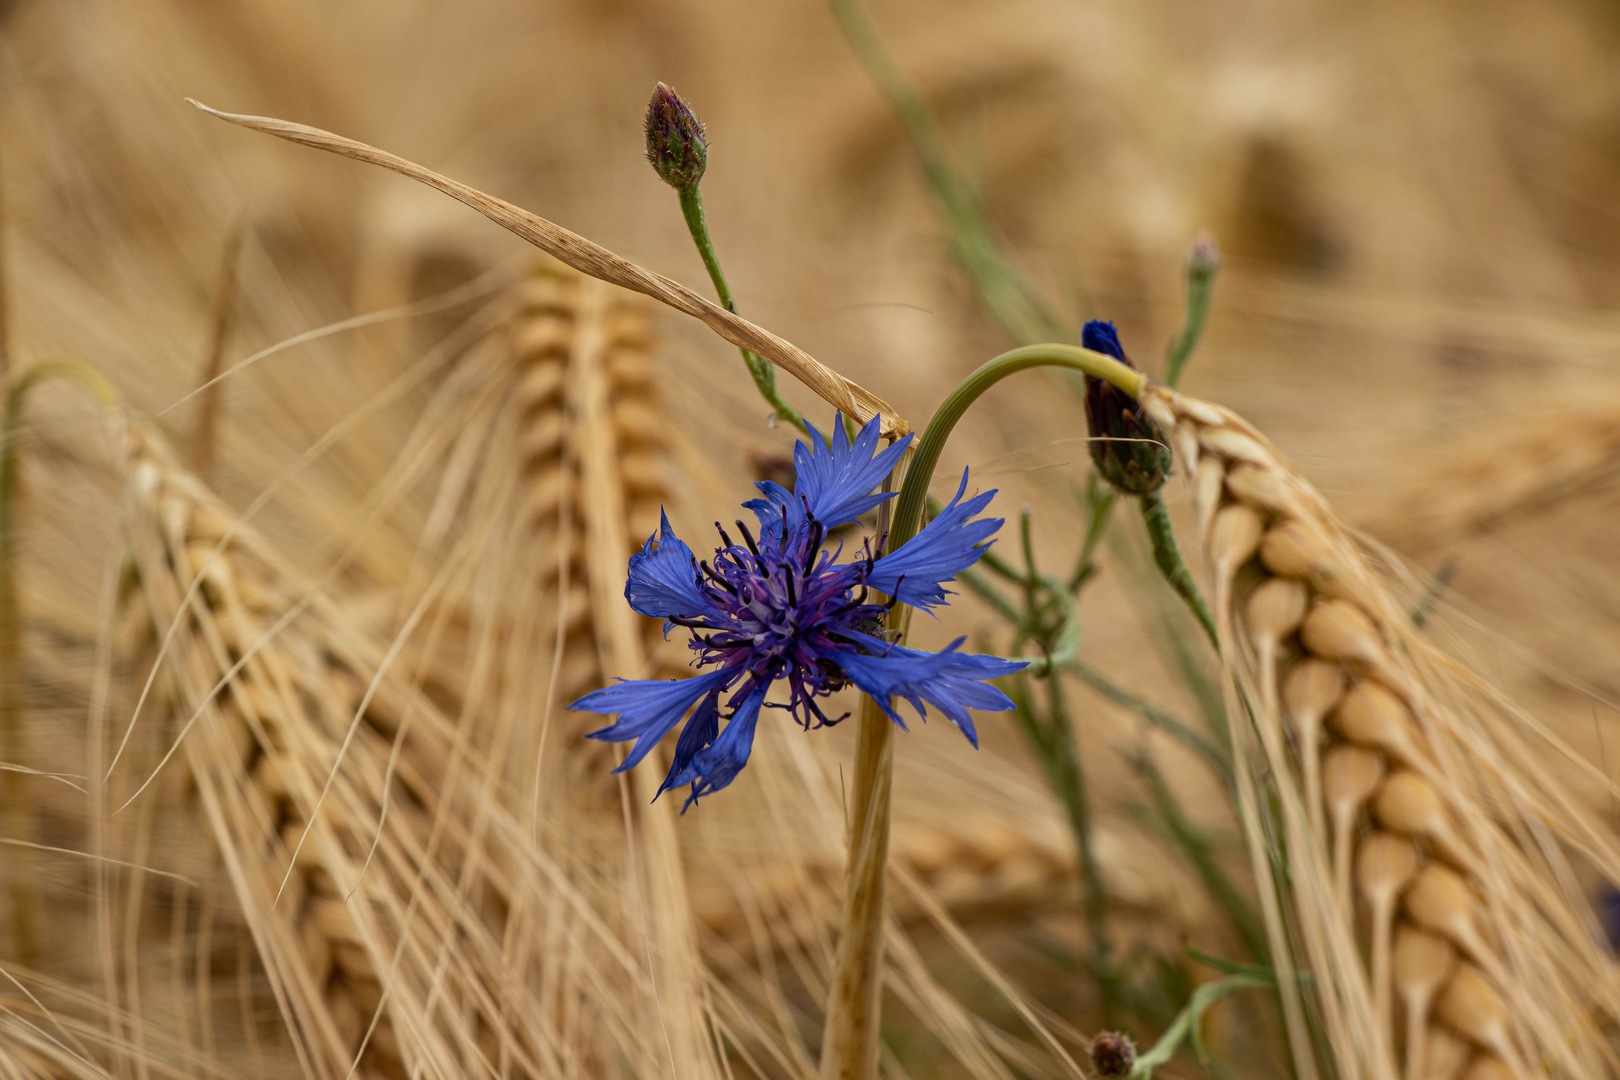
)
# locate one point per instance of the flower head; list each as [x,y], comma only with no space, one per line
[1112,1054]
[1127,447]
[676,145]
[783,605]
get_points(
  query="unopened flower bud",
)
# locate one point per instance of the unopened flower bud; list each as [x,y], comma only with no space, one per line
[1204,257]
[676,146]
[1112,1054]
[1127,447]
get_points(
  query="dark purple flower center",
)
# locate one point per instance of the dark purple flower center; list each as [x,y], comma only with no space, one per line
[782,608]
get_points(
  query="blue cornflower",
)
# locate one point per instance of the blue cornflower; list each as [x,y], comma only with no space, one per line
[780,606]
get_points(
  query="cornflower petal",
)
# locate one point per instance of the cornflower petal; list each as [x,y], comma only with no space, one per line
[944,547]
[647,709]
[701,729]
[663,580]
[836,482]
[718,764]
[946,679]
[778,506]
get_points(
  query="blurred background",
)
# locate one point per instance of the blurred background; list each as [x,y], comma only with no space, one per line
[1416,204]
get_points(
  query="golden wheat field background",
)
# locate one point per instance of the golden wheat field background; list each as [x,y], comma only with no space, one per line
[288,788]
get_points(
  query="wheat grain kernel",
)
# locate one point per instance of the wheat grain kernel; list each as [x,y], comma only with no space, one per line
[345,1016]
[536,340]
[1275,609]
[1471,1004]
[1297,548]
[334,921]
[633,417]
[351,959]
[544,437]
[1187,443]
[1261,487]
[1421,963]
[1233,538]
[1310,691]
[1340,630]
[643,474]
[1200,412]
[316,947]
[1350,775]
[1384,865]
[1231,443]
[1374,715]
[1490,1068]
[1441,901]
[1444,1054]
[541,384]
[1207,491]
[1409,804]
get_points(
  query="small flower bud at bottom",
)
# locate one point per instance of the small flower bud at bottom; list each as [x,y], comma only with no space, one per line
[676,145]
[1112,1054]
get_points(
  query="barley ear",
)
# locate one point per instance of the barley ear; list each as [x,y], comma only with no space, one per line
[1426,836]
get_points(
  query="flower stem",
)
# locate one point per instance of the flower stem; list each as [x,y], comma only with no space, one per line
[1200,852]
[1187,1022]
[849,1040]
[1100,500]
[1202,265]
[849,1046]
[762,370]
[1002,287]
[1058,751]
[1167,556]
[914,493]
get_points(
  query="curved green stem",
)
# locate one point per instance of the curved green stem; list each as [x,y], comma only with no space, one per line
[914,492]
[762,370]
[1186,1024]
[1168,557]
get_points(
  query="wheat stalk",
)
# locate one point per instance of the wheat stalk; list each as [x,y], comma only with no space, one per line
[1426,841]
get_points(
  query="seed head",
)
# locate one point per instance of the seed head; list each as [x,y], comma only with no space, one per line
[1127,447]
[676,146]
[1112,1054]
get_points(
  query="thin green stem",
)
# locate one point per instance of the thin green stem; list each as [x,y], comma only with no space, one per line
[1188,1023]
[1100,500]
[1201,854]
[762,370]
[991,560]
[1005,290]
[990,594]
[1054,745]
[1212,755]
[1167,556]
[1201,269]
[1068,777]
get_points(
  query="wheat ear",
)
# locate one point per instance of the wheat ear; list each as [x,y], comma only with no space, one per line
[379,882]
[598,262]
[1426,841]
